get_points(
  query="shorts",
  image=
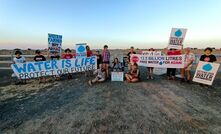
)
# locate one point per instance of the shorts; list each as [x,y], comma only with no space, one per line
[106,62]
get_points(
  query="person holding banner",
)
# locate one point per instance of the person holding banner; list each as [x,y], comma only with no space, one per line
[106,59]
[100,75]
[150,69]
[39,57]
[67,54]
[116,66]
[134,74]
[89,52]
[189,59]
[128,57]
[16,60]
[208,56]
[171,72]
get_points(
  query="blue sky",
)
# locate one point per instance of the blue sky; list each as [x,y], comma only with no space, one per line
[118,23]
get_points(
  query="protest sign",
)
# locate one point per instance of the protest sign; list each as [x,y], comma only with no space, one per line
[117,76]
[151,53]
[81,50]
[171,61]
[54,43]
[54,67]
[177,37]
[206,72]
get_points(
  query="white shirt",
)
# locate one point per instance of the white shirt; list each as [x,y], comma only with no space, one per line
[21,59]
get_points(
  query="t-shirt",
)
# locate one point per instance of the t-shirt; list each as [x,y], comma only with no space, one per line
[20,59]
[89,53]
[39,58]
[174,52]
[67,56]
[189,58]
[209,58]
[55,57]
[129,54]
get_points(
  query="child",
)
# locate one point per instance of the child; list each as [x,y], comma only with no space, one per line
[106,59]
[100,76]
[134,74]
[16,60]
[116,65]
[89,52]
[189,59]
[55,56]
[208,56]
[150,69]
[171,72]
[37,58]
[67,56]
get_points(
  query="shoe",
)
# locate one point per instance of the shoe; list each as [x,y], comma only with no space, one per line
[182,80]
[188,81]
[151,77]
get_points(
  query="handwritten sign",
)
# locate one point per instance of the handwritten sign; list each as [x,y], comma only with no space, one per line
[54,43]
[151,53]
[81,50]
[175,61]
[117,76]
[54,67]
[177,37]
[206,72]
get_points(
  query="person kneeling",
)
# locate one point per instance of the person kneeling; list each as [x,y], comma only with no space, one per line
[134,74]
[100,76]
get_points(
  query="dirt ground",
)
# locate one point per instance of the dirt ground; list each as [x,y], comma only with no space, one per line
[72,106]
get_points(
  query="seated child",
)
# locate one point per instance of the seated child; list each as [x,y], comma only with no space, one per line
[116,67]
[134,74]
[100,76]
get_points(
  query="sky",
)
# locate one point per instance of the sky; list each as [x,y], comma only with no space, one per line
[117,23]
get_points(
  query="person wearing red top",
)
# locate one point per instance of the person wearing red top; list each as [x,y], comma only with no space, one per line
[67,54]
[89,52]
[171,72]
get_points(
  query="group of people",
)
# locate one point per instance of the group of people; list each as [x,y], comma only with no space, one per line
[132,75]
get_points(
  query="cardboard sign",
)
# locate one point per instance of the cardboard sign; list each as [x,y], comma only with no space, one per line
[54,67]
[81,50]
[117,76]
[206,72]
[54,43]
[171,61]
[151,53]
[177,37]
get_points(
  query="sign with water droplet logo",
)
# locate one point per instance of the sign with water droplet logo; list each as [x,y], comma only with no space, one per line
[81,50]
[206,72]
[177,37]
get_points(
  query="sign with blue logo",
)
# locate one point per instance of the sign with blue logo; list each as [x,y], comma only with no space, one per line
[206,72]
[171,61]
[177,37]
[81,50]
[54,43]
[30,70]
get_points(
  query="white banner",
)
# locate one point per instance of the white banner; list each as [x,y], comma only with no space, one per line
[206,72]
[54,67]
[173,61]
[54,43]
[177,37]
[117,76]
[81,50]
[151,53]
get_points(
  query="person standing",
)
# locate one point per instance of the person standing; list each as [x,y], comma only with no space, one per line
[99,59]
[171,72]
[150,69]
[39,57]
[128,57]
[188,61]
[106,59]
[208,56]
